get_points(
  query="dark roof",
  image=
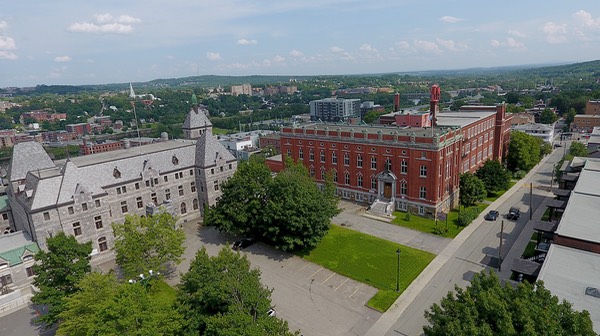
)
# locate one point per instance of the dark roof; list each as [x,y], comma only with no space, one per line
[560,204]
[526,267]
[573,177]
[545,226]
[562,192]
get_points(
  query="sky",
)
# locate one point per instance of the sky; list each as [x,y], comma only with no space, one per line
[74,42]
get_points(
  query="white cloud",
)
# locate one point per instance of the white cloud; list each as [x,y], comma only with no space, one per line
[296,53]
[278,59]
[246,42]
[7,43]
[3,24]
[555,33]
[450,19]
[336,49]
[427,46]
[8,55]
[517,33]
[586,19]
[510,42]
[495,43]
[213,56]
[402,44]
[106,23]
[367,48]
[452,45]
[62,59]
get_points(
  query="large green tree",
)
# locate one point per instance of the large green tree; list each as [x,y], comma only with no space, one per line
[472,189]
[548,116]
[524,151]
[494,175]
[148,243]
[103,306]
[488,307]
[578,149]
[57,273]
[222,295]
[289,211]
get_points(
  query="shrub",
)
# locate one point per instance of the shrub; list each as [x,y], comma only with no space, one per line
[467,215]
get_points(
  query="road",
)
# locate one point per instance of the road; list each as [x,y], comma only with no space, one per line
[469,255]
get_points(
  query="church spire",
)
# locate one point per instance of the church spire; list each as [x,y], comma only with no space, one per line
[131,93]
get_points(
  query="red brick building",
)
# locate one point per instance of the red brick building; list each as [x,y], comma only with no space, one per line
[272,139]
[408,168]
[88,148]
[79,129]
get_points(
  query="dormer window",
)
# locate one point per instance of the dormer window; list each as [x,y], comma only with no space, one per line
[175,160]
[116,173]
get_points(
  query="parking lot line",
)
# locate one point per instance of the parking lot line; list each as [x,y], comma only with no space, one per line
[303,267]
[357,288]
[329,277]
[340,285]
[312,275]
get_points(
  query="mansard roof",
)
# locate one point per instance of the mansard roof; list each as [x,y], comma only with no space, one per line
[209,151]
[196,118]
[28,156]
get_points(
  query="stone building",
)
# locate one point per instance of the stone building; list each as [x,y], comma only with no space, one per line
[82,196]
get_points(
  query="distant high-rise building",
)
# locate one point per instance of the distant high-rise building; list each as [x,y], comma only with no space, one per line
[334,109]
[241,89]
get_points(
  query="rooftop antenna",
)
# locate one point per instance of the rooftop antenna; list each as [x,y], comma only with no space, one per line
[137,125]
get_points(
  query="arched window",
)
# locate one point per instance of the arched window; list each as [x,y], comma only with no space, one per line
[102,244]
[183,208]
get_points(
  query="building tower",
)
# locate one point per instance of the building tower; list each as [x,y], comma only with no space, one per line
[434,100]
[196,122]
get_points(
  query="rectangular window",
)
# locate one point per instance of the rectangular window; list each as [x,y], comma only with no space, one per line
[84,206]
[423,171]
[347,179]
[102,245]
[403,189]
[373,162]
[221,169]
[191,172]
[193,186]
[138,201]
[167,194]
[70,210]
[334,176]
[4,216]
[311,154]
[216,185]
[166,178]
[359,181]
[359,161]
[137,186]
[77,229]
[230,166]
[346,159]
[156,181]
[212,171]
[403,167]
[322,154]
[30,271]
[180,189]
[154,199]
[373,183]
[5,280]
[97,202]
[46,216]
[422,192]
[147,183]
[334,158]
[289,152]
[124,207]
[301,153]
[421,210]
[98,222]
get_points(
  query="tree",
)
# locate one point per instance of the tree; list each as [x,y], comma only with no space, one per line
[548,116]
[288,211]
[524,151]
[578,149]
[488,307]
[221,295]
[370,117]
[570,117]
[103,306]
[494,175]
[148,243]
[472,189]
[57,273]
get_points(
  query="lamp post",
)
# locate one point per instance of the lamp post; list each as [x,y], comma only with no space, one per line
[398,273]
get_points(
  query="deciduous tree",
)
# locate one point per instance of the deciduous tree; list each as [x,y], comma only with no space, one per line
[548,116]
[488,307]
[578,149]
[472,189]
[148,243]
[524,151]
[57,273]
[494,175]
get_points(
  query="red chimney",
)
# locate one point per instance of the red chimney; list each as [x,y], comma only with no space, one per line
[396,102]
[434,100]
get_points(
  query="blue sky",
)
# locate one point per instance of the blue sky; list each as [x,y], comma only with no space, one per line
[93,42]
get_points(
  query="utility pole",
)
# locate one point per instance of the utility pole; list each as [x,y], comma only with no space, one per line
[530,201]
[500,248]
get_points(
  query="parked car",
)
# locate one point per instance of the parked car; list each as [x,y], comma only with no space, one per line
[513,213]
[272,312]
[242,243]
[492,215]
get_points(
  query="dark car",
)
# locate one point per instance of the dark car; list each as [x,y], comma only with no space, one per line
[492,215]
[513,213]
[242,243]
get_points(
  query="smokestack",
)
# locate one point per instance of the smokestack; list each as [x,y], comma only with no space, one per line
[396,102]
[434,100]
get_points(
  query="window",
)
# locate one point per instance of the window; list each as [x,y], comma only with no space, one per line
[230,166]
[156,181]
[312,171]
[201,187]
[301,153]
[359,161]
[191,172]
[333,157]
[423,155]
[123,206]
[102,245]
[5,280]
[373,183]
[346,159]
[138,202]
[193,186]
[4,216]
[180,189]
[322,154]
[388,164]
[347,178]
[84,206]
[122,190]
[195,204]
[154,199]
[359,181]
[421,210]
[168,193]
[98,222]
[116,173]
[70,210]
[403,167]
[311,154]
[137,186]
[422,192]
[289,152]
[183,208]
[46,215]
[212,172]
[166,178]
[175,160]
[373,162]
[77,229]
[423,171]
[322,173]
[30,271]
[403,189]
[147,183]
[97,202]
[216,185]
[335,176]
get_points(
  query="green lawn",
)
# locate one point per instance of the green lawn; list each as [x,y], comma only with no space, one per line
[162,292]
[370,260]
[216,130]
[494,196]
[428,225]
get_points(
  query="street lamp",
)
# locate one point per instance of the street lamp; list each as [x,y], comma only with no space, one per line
[398,273]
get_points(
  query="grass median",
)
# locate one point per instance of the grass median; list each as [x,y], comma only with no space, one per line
[370,260]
